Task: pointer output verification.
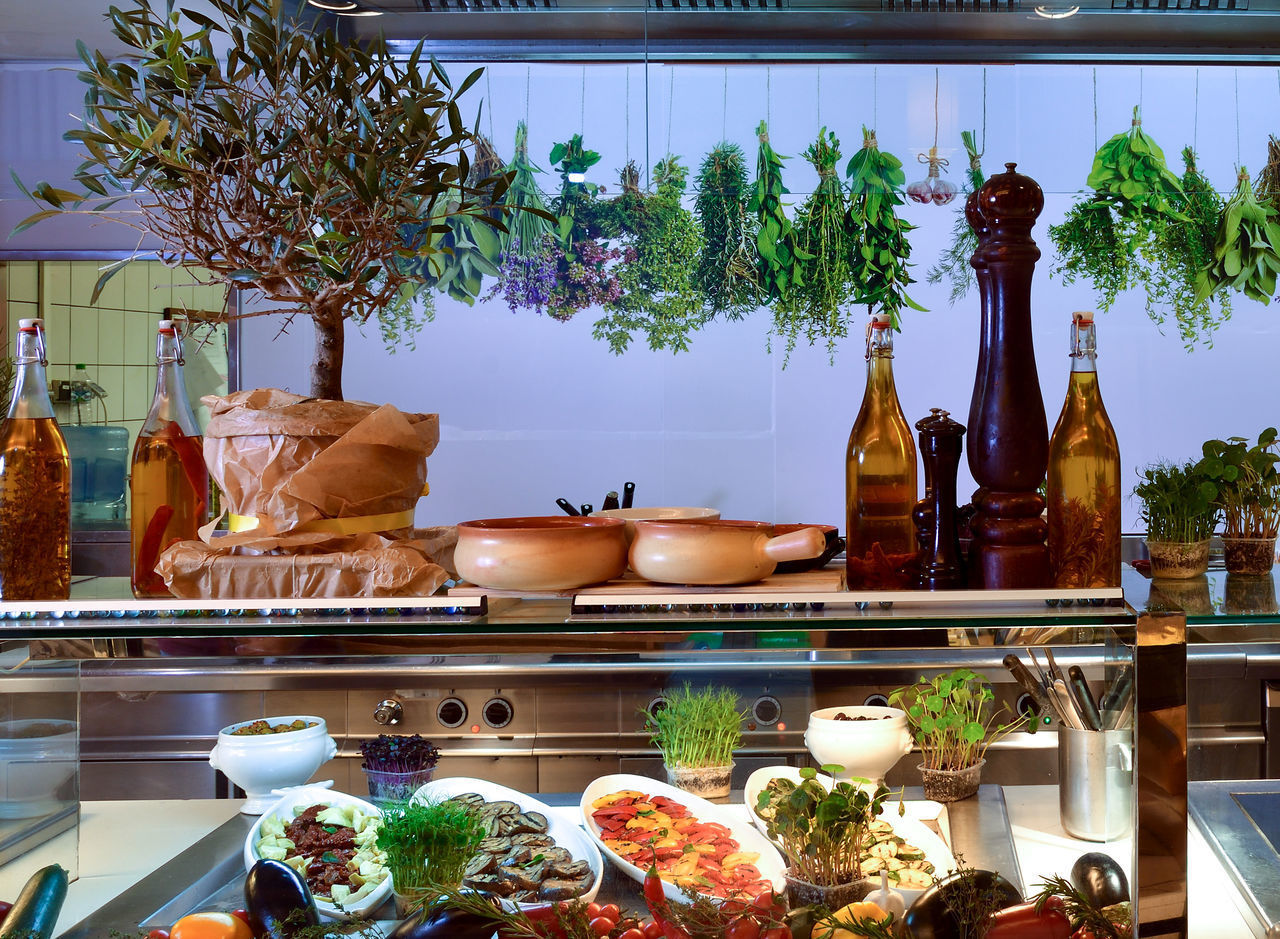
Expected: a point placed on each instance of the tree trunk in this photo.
(326, 366)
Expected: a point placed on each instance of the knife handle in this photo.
(628, 494)
(1022, 675)
(610, 501)
(1088, 707)
(566, 506)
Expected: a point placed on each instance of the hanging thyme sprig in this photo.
(816, 305)
(953, 265)
(1246, 253)
(880, 246)
(1172, 262)
(729, 266)
(1088, 246)
(776, 236)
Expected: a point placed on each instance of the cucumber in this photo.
(35, 912)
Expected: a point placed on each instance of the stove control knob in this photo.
(388, 711)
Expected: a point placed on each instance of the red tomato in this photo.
(653, 931)
(242, 914)
(744, 927)
(158, 934)
(612, 912)
(632, 933)
(593, 910)
(5, 907)
(601, 925)
(777, 932)
(768, 903)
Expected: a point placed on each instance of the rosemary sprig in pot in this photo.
(953, 265)
(660, 296)
(728, 268)
(776, 236)
(880, 246)
(1246, 252)
(1173, 261)
(816, 305)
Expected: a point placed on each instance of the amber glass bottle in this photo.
(35, 483)
(880, 476)
(168, 482)
(1084, 476)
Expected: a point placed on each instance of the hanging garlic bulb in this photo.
(920, 191)
(933, 188)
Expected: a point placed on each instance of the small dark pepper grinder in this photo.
(922, 511)
(941, 567)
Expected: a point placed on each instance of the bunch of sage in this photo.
(879, 237)
(1245, 253)
(776, 236)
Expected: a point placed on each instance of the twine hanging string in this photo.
(582, 103)
(768, 95)
(528, 70)
(724, 104)
(627, 113)
(818, 96)
(1095, 109)
(1195, 113)
(935, 107)
(1236, 79)
(671, 107)
(875, 96)
(1141, 73)
(983, 147)
(488, 100)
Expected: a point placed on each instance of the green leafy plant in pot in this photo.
(697, 732)
(823, 833)
(1180, 509)
(273, 154)
(1249, 498)
(427, 847)
(954, 720)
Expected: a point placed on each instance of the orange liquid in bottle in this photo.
(35, 511)
(168, 490)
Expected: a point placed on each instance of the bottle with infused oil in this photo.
(35, 483)
(880, 477)
(168, 481)
(1084, 476)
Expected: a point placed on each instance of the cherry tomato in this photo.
(632, 933)
(610, 911)
(158, 934)
(776, 932)
(744, 927)
(767, 902)
(601, 925)
(593, 910)
(242, 914)
(5, 907)
(652, 930)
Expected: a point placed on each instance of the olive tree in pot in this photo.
(1249, 497)
(269, 154)
(954, 720)
(697, 732)
(1180, 509)
(823, 833)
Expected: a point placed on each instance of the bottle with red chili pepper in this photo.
(168, 481)
(35, 482)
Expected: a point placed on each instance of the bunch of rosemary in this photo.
(1172, 262)
(729, 266)
(879, 238)
(660, 295)
(776, 237)
(1267, 186)
(815, 304)
(953, 266)
(1246, 252)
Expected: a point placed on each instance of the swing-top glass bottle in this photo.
(35, 482)
(168, 481)
(1083, 484)
(880, 476)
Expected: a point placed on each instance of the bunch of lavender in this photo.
(396, 753)
(526, 281)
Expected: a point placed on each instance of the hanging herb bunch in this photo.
(1267, 186)
(953, 265)
(729, 266)
(527, 262)
(815, 304)
(776, 236)
(660, 295)
(1172, 263)
(1246, 252)
(1133, 202)
(878, 236)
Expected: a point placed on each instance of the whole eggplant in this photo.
(441, 922)
(278, 900)
(1100, 879)
(934, 913)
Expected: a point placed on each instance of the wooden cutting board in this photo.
(825, 580)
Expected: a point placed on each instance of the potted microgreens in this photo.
(1180, 509)
(823, 833)
(396, 765)
(1249, 497)
(427, 846)
(954, 722)
(697, 732)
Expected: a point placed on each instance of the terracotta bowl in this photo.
(554, 552)
(835, 544)
(655, 512)
(703, 552)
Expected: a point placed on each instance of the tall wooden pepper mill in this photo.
(979, 225)
(1008, 432)
(941, 566)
